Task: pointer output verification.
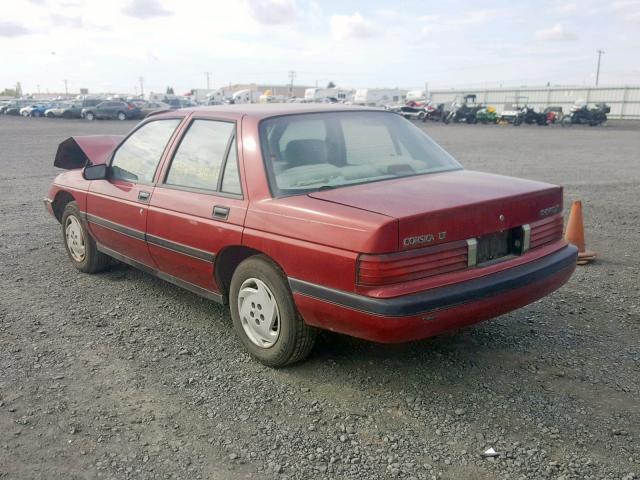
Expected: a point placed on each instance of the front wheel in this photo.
(517, 121)
(264, 315)
(122, 116)
(80, 246)
(566, 121)
(90, 116)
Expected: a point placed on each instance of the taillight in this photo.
(546, 231)
(391, 268)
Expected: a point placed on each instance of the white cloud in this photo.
(628, 9)
(145, 9)
(557, 33)
(566, 7)
(273, 12)
(345, 27)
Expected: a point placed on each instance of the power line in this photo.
(292, 75)
(600, 52)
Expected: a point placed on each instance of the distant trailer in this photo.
(378, 97)
(324, 94)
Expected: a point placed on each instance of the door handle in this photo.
(143, 196)
(220, 212)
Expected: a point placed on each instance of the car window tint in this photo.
(366, 140)
(137, 158)
(231, 179)
(197, 161)
(307, 129)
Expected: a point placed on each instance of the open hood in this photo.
(78, 152)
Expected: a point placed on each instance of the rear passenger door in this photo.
(198, 206)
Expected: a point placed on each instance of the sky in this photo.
(107, 45)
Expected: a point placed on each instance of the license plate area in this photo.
(493, 246)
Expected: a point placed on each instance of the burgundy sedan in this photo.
(311, 217)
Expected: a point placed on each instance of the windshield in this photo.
(310, 152)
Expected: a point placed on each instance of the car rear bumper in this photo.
(427, 313)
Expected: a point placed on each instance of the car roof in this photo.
(265, 110)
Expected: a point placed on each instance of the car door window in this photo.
(199, 158)
(137, 158)
(231, 179)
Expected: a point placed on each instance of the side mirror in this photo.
(95, 172)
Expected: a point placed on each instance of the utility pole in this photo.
(66, 87)
(600, 52)
(208, 84)
(292, 75)
(141, 80)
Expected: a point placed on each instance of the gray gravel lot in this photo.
(120, 375)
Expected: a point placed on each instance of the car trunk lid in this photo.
(450, 206)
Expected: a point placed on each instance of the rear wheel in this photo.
(80, 246)
(264, 315)
(566, 121)
(121, 116)
(50, 115)
(517, 121)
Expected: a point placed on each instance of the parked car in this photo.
(150, 107)
(34, 110)
(112, 110)
(303, 217)
(14, 106)
(72, 109)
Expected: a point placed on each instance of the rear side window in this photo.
(201, 154)
(137, 158)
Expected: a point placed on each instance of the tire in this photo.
(121, 116)
(50, 115)
(293, 340)
(517, 121)
(25, 114)
(566, 121)
(89, 116)
(74, 230)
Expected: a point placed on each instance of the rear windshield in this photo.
(310, 152)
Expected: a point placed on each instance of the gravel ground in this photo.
(120, 375)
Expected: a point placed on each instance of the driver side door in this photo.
(117, 206)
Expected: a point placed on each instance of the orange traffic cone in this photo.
(575, 234)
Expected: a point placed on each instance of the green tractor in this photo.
(487, 115)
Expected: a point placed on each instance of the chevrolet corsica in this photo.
(310, 217)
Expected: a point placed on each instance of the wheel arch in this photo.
(59, 203)
(228, 259)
